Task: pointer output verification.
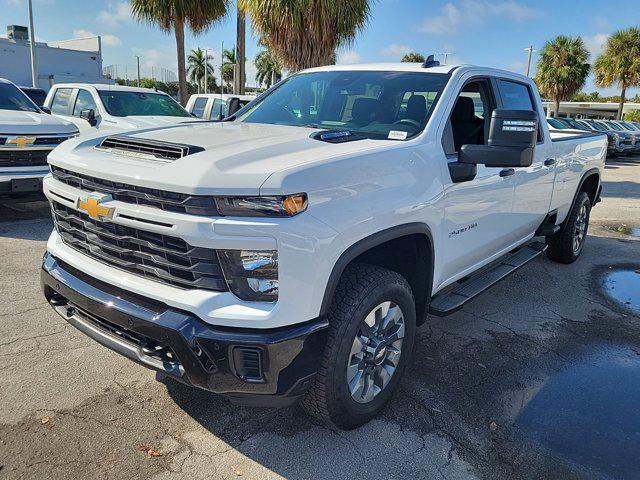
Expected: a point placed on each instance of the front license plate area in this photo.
(26, 185)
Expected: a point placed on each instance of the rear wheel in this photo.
(566, 245)
(371, 332)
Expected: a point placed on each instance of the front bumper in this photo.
(256, 367)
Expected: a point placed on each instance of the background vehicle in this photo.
(27, 135)
(291, 253)
(96, 107)
(214, 106)
(37, 95)
(614, 142)
(629, 139)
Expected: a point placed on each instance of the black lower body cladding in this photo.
(250, 366)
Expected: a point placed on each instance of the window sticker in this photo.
(397, 135)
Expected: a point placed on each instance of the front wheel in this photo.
(372, 323)
(566, 245)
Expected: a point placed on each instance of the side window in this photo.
(470, 117)
(84, 101)
(199, 106)
(517, 96)
(60, 102)
(218, 110)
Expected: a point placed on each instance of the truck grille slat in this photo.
(23, 158)
(169, 201)
(152, 255)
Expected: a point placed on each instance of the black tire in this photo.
(562, 245)
(361, 289)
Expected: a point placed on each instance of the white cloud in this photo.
(395, 51)
(452, 16)
(348, 57)
(107, 39)
(595, 44)
(116, 14)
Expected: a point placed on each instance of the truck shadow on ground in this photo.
(28, 221)
(477, 380)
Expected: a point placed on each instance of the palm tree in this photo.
(170, 15)
(620, 63)
(197, 65)
(306, 33)
(228, 66)
(413, 57)
(562, 69)
(268, 68)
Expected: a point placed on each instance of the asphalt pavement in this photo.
(537, 378)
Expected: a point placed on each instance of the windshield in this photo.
(12, 98)
(124, 104)
(374, 104)
(556, 124)
(597, 126)
(38, 96)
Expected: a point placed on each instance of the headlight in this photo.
(251, 275)
(267, 206)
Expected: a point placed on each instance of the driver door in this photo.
(476, 212)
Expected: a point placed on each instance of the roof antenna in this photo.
(430, 62)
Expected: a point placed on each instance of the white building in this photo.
(75, 60)
(590, 109)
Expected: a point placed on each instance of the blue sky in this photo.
(493, 33)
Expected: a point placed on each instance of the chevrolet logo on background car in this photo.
(20, 142)
(92, 206)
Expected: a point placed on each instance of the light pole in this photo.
(32, 48)
(530, 50)
(138, 62)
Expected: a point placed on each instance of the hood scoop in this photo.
(146, 148)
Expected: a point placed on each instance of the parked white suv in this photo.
(216, 106)
(27, 135)
(98, 107)
(290, 252)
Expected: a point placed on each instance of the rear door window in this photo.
(199, 106)
(60, 102)
(517, 96)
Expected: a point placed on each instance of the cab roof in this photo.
(107, 87)
(392, 67)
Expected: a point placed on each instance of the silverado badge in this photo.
(92, 205)
(20, 142)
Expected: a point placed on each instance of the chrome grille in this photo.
(144, 147)
(159, 257)
(170, 201)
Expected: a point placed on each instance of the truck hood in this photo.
(237, 157)
(31, 123)
(138, 122)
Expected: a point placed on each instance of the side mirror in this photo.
(512, 141)
(233, 106)
(45, 109)
(89, 115)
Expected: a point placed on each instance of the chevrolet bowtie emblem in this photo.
(92, 205)
(20, 141)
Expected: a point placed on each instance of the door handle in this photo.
(507, 172)
(549, 161)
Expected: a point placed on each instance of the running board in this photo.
(453, 300)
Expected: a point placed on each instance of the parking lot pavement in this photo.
(537, 378)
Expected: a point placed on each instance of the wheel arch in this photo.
(416, 264)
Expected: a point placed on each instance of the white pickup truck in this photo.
(289, 252)
(97, 108)
(27, 135)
